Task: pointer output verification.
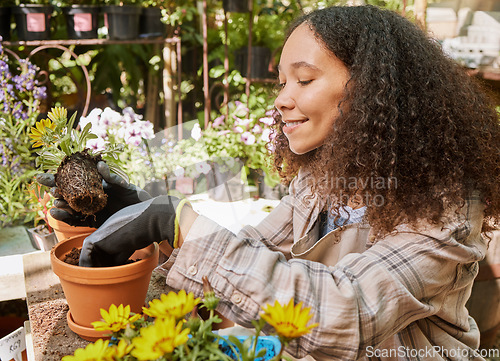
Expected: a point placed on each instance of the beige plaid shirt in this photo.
(401, 298)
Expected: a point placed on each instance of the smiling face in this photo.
(312, 83)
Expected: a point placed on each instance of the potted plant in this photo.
(150, 23)
(20, 98)
(122, 19)
(63, 150)
(81, 18)
(42, 236)
(33, 19)
(88, 289)
(170, 329)
(5, 15)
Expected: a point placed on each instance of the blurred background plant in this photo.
(20, 96)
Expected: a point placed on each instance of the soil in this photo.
(73, 257)
(80, 184)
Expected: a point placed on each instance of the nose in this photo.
(284, 101)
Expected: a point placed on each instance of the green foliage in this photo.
(33, 2)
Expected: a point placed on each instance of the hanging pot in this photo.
(32, 21)
(88, 289)
(5, 14)
(64, 231)
(122, 22)
(81, 21)
(150, 24)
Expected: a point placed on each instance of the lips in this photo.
(291, 125)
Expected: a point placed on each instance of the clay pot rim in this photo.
(57, 224)
(65, 270)
(87, 333)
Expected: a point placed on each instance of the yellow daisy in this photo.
(97, 351)
(39, 131)
(159, 339)
(58, 114)
(174, 304)
(289, 321)
(116, 319)
(121, 350)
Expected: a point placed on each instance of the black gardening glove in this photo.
(132, 228)
(120, 194)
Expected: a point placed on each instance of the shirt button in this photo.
(192, 270)
(236, 297)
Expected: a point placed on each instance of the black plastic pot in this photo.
(236, 6)
(122, 21)
(32, 21)
(259, 62)
(81, 21)
(5, 14)
(150, 24)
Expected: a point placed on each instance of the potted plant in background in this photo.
(33, 19)
(150, 23)
(81, 18)
(121, 18)
(5, 17)
(42, 236)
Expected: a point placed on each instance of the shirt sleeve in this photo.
(361, 301)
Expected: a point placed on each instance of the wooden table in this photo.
(50, 336)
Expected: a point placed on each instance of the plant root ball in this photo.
(80, 183)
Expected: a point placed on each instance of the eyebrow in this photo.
(301, 64)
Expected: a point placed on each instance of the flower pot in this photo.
(260, 59)
(270, 343)
(81, 21)
(88, 289)
(41, 238)
(64, 231)
(122, 22)
(236, 6)
(5, 14)
(150, 24)
(32, 21)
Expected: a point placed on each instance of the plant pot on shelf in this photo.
(5, 14)
(236, 6)
(81, 21)
(64, 231)
(150, 24)
(88, 289)
(32, 21)
(41, 238)
(122, 22)
(260, 58)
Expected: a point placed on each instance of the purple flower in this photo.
(248, 138)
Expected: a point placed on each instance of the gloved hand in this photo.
(120, 194)
(133, 228)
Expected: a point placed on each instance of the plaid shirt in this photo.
(400, 298)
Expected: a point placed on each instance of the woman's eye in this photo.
(304, 82)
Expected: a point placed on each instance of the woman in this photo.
(393, 154)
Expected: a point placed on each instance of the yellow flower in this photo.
(116, 319)
(159, 339)
(121, 350)
(97, 351)
(289, 321)
(173, 304)
(39, 131)
(58, 114)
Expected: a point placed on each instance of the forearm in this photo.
(186, 220)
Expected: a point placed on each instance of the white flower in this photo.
(196, 132)
(179, 171)
(109, 117)
(248, 138)
(266, 135)
(96, 144)
(238, 129)
(267, 120)
(202, 167)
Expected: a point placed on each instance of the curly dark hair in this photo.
(415, 135)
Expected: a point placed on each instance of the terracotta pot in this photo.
(64, 231)
(87, 290)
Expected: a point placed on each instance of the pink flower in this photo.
(257, 129)
(219, 121)
(267, 120)
(96, 144)
(238, 129)
(248, 138)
